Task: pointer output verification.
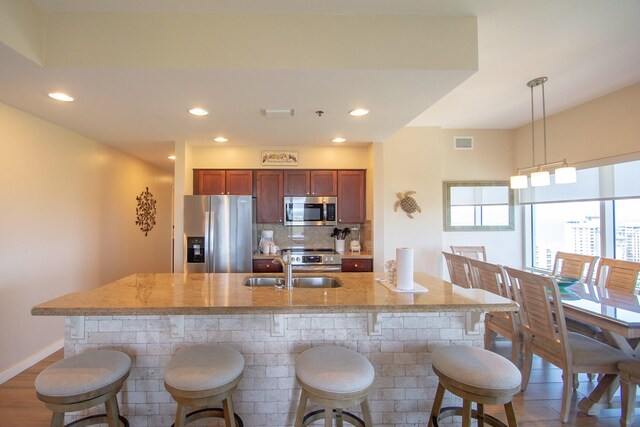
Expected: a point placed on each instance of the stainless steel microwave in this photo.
(310, 211)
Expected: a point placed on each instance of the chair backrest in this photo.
(618, 275)
(539, 298)
(473, 252)
(575, 265)
(490, 277)
(458, 269)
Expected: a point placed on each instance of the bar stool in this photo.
(336, 378)
(84, 381)
(475, 375)
(202, 375)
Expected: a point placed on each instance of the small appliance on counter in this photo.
(354, 244)
(266, 242)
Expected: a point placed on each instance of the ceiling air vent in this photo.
(270, 112)
(463, 143)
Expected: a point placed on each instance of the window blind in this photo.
(620, 180)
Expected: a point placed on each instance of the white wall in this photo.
(67, 223)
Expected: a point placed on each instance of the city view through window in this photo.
(575, 227)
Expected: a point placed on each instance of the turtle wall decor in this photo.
(407, 203)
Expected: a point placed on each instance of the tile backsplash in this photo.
(310, 237)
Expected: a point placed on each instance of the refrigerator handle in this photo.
(212, 236)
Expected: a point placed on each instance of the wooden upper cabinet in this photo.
(296, 183)
(310, 183)
(351, 196)
(207, 182)
(324, 183)
(269, 196)
(217, 182)
(239, 182)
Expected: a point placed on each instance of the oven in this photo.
(310, 211)
(315, 260)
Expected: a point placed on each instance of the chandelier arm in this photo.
(533, 132)
(544, 123)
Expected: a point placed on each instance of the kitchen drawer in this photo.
(363, 265)
(266, 266)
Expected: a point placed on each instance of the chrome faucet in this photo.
(287, 268)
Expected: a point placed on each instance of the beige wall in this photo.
(588, 134)
(420, 159)
(412, 161)
(67, 224)
(490, 160)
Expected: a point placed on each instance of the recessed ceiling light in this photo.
(220, 139)
(197, 111)
(59, 96)
(359, 112)
(171, 157)
(338, 140)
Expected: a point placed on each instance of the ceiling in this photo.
(587, 48)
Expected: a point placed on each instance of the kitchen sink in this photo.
(298, 282)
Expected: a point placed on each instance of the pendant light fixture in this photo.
(564, 174)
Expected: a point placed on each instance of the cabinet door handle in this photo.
(355, 265)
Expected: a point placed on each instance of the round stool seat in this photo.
(203, 367)
(477, 368)
(83, 381)
(201, 375)
(476, 375)
(83, 373)
(334, 369)
(334, 378)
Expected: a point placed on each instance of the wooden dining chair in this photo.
(493, 278)
(458, 269)
(618, 275)
(546, 335)
(473, 252)
(575, 265)
(579, 267)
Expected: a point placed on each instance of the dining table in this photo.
(617, 314)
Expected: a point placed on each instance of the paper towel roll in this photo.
(404, 263)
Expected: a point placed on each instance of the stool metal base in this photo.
(451, 411)
(96, 419)
(210, 413)
(342, 415)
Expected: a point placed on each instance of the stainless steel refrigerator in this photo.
(218, 234)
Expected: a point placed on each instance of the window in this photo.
(572, 227)
(598, 215)
(478, 206)
(627, 229)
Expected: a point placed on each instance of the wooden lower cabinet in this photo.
(266, 266)
(357, 265)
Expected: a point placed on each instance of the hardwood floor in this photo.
(538, 406)
(19, 406)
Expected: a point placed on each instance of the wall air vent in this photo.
(463, 143)
(270, 112)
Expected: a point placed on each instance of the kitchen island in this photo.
(151, 316)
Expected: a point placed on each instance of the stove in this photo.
(315, 260)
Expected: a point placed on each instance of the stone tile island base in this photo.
(399, 350)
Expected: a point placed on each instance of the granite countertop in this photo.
(222, 293)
